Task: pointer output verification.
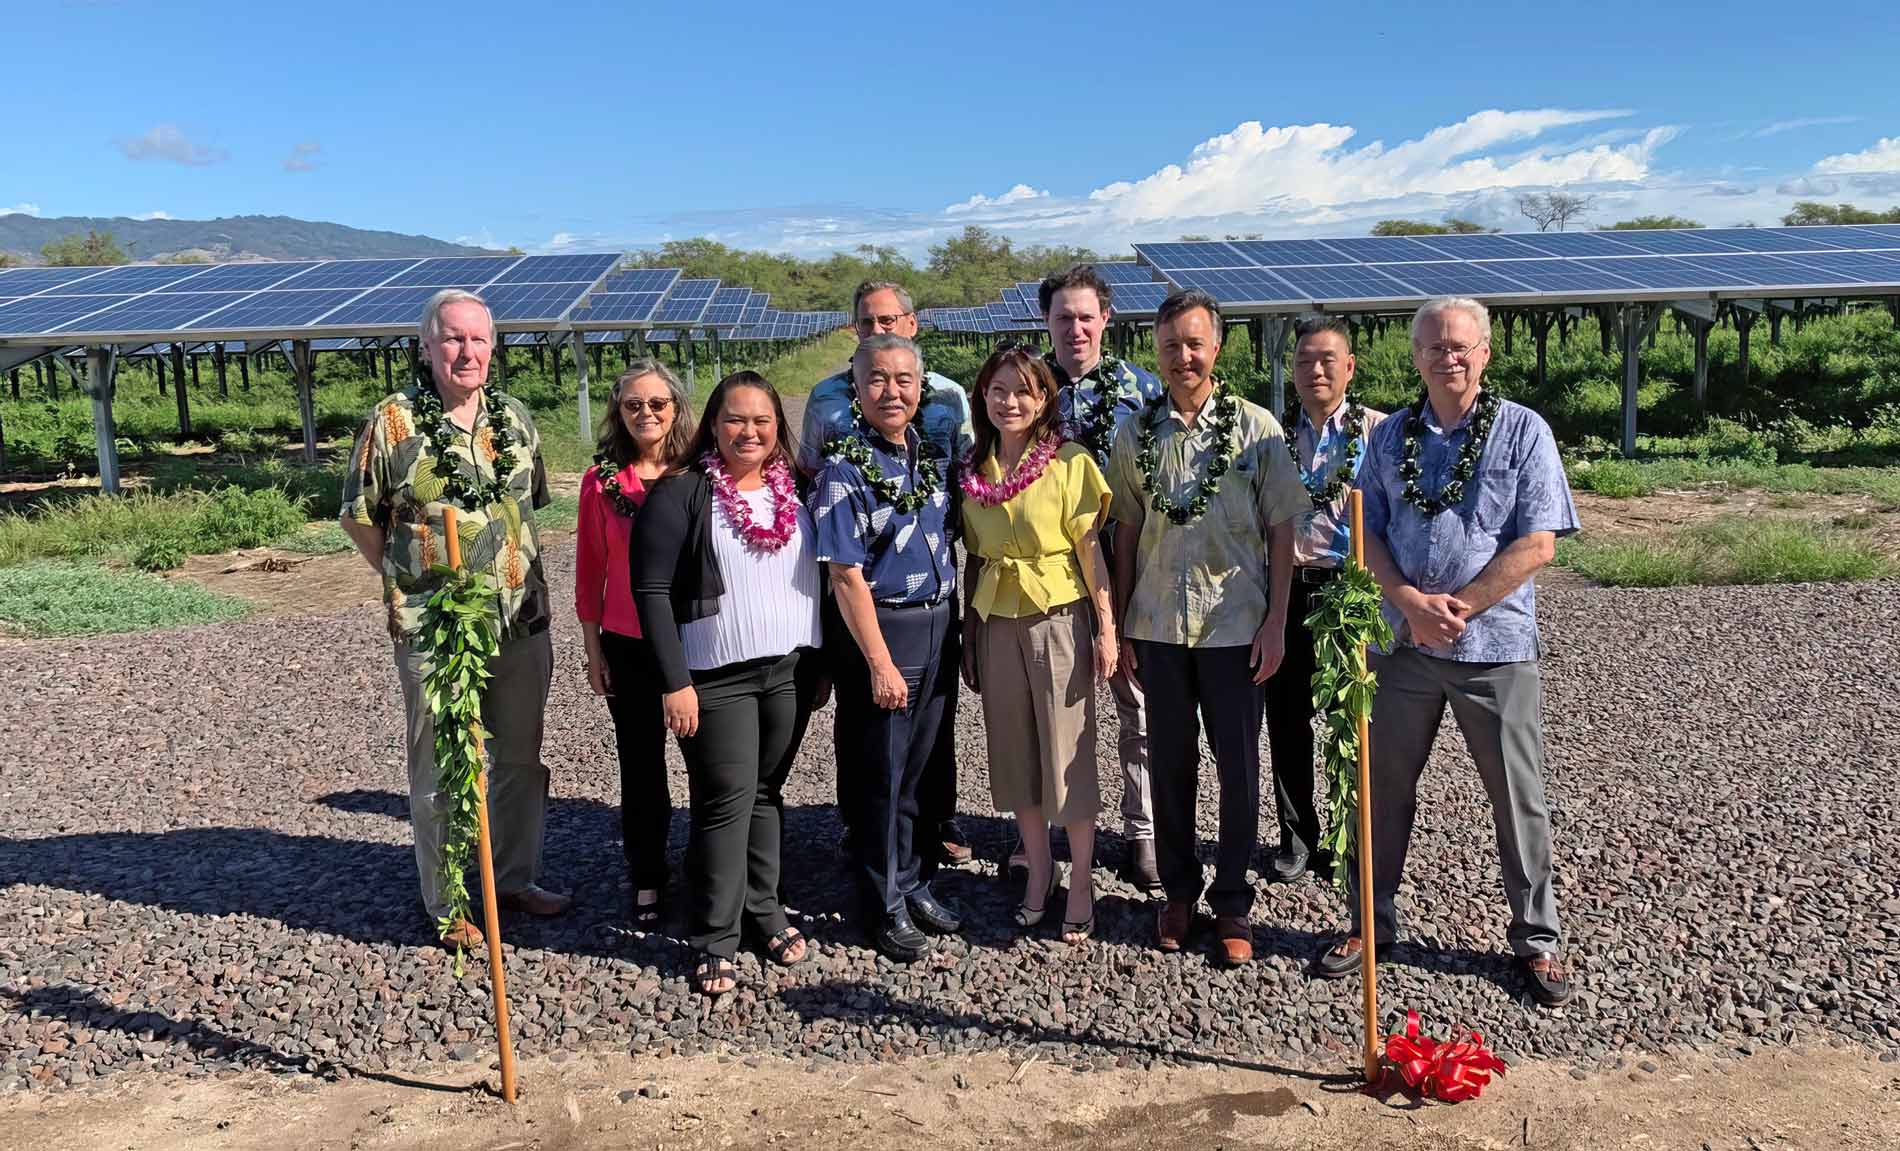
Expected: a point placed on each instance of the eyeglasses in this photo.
(873, 323)
(1452, 351)
(656, 404)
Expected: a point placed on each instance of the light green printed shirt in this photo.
(1203, 583)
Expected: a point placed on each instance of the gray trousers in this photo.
(1497, 706)
(514, 709)
(1131, 716)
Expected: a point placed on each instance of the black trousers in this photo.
(646, 807)
(751, 719)
(1289, 711)
(1186, 686)
(937, 792)
(896, 748)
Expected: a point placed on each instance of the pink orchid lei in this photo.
(778, 478)
(1029, 469)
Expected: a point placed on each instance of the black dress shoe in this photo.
(898, 938)
(932, 913)
(1345, 957)
(1288, 866)
(1139, 867)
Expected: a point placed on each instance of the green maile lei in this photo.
(608, 474)
(1324, 495)
(1344, 620)
(1466, 466)
(1226, 417)
(853, 447)
(458, 629)
(471, 494)
(1094, 425)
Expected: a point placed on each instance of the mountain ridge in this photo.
(224, 238)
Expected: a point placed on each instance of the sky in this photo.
(809, 128)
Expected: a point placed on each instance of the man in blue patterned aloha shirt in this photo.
(885, 509)
(1098, 393)
(880, 307)
(1465, 497)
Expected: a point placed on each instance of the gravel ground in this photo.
(204, 864)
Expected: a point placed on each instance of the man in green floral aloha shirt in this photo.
(449, 440)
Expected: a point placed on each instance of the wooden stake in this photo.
(491, 913)
(1368, 933)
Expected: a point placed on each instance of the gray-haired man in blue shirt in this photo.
(1465, 497)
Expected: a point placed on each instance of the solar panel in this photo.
(1342, 282)
(727, 307)
(1547, 244)
(377, 306)
(1672, 242)
(351, 274)
(1555, 275)
(248, 277)
(1143, 297)
(1658, 272)
(1753, 270)
(1484, 246)
(558, 269)
(1183, 256)
(1765, 239)
(1287, 253)
(18, 282)
(154, 312)
(618, 307)
(1385, 249)
(521, 339)
(755, 309)
(136, 278)
(36, 314)
(1854, 267)
(516, 303)
(1451, 278)
(641, 280)
(291, 309)
(454, 272)
(1825, 238)
(687, 302)
(1123, 272)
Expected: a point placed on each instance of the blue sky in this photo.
(809, 128)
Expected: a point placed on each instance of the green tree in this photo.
(1812, 212)
(1643, 222)
(1452, 225)
(90, 250)
(1464, 227)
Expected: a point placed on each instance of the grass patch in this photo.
(151, 530)
(563, 514)
(322, 538)
(65, 599)
(1730, 550)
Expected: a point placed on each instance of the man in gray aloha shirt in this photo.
(1457, 564)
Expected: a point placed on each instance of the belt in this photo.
(883, 605)
(1314, 575)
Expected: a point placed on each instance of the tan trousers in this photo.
(514, 709)
(1037, 676)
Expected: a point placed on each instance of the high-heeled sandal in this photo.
(1026, 916)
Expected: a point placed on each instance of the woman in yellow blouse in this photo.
(1039, 633)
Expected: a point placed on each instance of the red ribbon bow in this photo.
(1452, 1072)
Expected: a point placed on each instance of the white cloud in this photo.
(168, 142)
(153, 216)
(1780, 126)
(1015, 195)
(303, 158)
(23, 208)
(1884, 156)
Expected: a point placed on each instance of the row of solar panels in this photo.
(342, 299)
(1132, 286)
(1529, 267)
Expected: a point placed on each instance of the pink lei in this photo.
(778, 478)
(1029, 469)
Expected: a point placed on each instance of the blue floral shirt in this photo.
(943, 410)
(1114, 380)
(1519, 488)
(907, 557)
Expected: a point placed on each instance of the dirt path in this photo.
(1827, 1098)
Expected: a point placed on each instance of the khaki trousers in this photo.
(1037, 675)
(514, 708)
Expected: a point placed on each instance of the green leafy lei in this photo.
(1226, 417)
(457, 487)
(1324, 495)
(853, 447)
(1344, 620)
(458, 628)
(1461, 472)
(1093, 425)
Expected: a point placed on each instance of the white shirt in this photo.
(771, 603)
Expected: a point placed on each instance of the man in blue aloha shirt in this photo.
(880, 307)
(1465, 497)
(1098, 393)
(885, 509)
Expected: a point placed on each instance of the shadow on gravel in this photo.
(854, 1000)
(84, 1010)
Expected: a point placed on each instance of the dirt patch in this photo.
(1822, 1098)
(1664, 512)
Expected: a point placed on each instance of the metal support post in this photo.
(303, 362)
(582, 384)
(178, 389)
(1275, 329)
(101, 366)
(719, 359)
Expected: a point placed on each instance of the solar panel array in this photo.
(1549, 267)
(121, 304)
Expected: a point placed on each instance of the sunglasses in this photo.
(656, 405)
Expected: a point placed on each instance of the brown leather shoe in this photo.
(1235, 936)
(536, 901)
(1550, 983)
(1171, 925)
(464, 935)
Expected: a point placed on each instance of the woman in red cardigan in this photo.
(645, 431)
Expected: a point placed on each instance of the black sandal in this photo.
(1073, 932)
(779, 944)
(712, 969)
(648, 914)
(1025, 916)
